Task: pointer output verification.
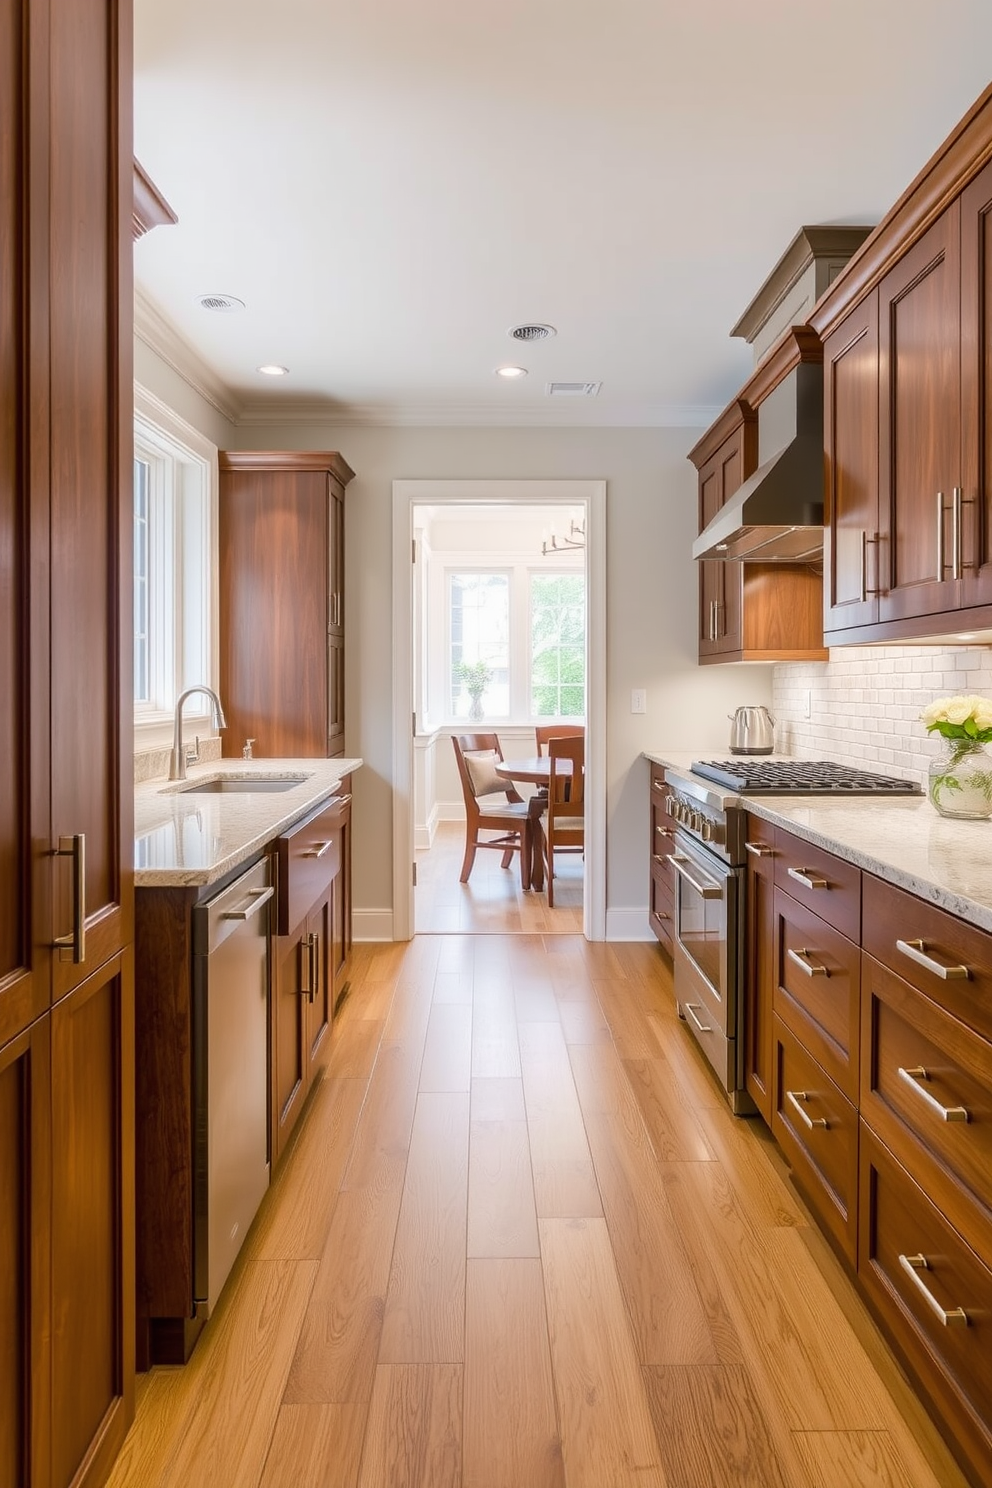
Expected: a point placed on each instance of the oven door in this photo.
(708, 953)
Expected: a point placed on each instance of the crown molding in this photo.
(476, 416)
(161, 336)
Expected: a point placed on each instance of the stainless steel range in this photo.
(708, 858)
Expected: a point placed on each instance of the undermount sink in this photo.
(225, 785)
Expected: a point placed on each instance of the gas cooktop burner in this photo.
(801, 777)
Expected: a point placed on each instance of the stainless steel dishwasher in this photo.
(231, 978)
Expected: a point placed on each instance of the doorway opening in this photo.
(497, 573)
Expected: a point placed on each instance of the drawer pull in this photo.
(247, 911)
(659, 785)
(915, 950)
(703, 1027)
(665, 831)
(809, 878)
(795, 1099)
(318, 850)
(705, 887)
(661, 858)
(913, 1265)
(760, 849)
(811, 968)
(946, 1113)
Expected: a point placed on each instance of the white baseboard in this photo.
(450, 811)
(423, 836)
(372, 924)
(628, 924)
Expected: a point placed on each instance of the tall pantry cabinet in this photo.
(66, 896)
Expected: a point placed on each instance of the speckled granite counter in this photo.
(899, 838)
(184, 838)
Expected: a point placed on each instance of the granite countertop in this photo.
(899, 838)
(184, 839)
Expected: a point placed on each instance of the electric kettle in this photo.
(752, 731)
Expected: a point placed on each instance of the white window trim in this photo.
(190, 529)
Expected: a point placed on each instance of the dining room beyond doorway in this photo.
(500, 654)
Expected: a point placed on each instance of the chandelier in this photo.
(574, 538)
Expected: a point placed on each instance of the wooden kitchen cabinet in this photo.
(661, 907)
(281, 537)
(850, 435)
(722, 471)
(66, 905)
(311, 956)
(759, 973)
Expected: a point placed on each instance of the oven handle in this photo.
(706, 887)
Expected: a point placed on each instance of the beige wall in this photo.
(651, 604)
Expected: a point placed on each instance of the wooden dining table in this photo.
(536, 771)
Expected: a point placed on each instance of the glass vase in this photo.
(475, 707)
(960, 780)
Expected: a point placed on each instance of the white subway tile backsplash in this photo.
(866, 702)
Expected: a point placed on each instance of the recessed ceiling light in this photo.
(511, 372)
(271, 370)
(223, 303)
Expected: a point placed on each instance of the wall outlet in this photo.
(638, 700)
(807, 704)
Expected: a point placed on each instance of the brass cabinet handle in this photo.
(801, 959)
(72, 947)
(913, 1265)
(912, 1078)
(809, 878)
(941, 564)
(247, 911)
(759, 849)
(916, 951)
(703, 1027)
(319, 849)
(795, 1099)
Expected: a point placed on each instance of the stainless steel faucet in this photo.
(177, 759)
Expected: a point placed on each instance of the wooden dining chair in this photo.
(491, 805)
(564, 829)
(547, 731)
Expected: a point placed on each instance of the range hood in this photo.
(776, 516)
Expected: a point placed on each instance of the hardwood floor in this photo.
(520, 1242)
(492, 902)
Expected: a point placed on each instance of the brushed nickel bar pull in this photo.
(340, 800)
(914, 949)
(703, 1027)
(759, 849)
(658, 785)
(315, 958)
(957, 565)
(941, 565)
(864, 566)
(913, 1265)
(795, 1099)
(248, 911)
(708, 890)
(811, 968)
(319, 849)
(946, 1113)
(72, 947)
(808, 878)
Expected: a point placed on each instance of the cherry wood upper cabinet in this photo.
(281, 527)
(919, 336)
(976, 391)
(723, 469)
(850, 434)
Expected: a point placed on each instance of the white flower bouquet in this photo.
(961, 779)
(962, 717)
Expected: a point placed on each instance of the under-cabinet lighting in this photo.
(271, 370)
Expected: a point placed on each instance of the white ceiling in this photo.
(391, 184)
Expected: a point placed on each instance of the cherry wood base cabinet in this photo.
(881, 1089)
(661, 908)
(311, 956)
(66, 899)
(281, 534)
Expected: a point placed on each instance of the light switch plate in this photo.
(638, 700)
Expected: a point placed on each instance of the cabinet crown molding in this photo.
(295, 460)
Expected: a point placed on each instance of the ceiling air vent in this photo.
(221, 302)
(573, 389)
(535, 332)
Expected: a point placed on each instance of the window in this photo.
(173, 602)
(557, 645)
(528, 628)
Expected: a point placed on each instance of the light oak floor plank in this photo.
(447, 1064)
(502, 1219)
(510, 1426)
(382, 1136)
(498, 1100)
(424, 1320)
(316, 1446)
(712, 1432)
(865, 1459)
(607, 1437)
(413, 1438)
(564, 1177)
